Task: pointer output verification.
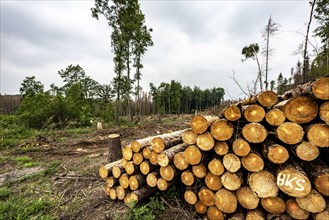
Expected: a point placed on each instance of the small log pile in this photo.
(265, 157)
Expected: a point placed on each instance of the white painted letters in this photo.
(285, 180)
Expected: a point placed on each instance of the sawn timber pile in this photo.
(263, 158)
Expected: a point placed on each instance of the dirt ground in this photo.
(76, 185)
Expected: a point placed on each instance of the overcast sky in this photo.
(195, 42)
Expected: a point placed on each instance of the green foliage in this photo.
(31, 87)
(25, 161)
(4, 193)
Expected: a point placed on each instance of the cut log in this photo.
(136, 181)
(213, 213)
(322, 215)
(206, 196)
(267, 98)
(253, 162)
(138, 158)
(167, 172)
(216, 167)
(139, 195)
(237, 215)
(290, 133)
(273, 205)
(247, 198)
(292, 180)
(146, 167)
(318, 134)
(205, 141)
(190, 196)
(146, 153)
(131, 168)
(213, 182)
(313, 202)
(127, 153)
(114, 146)
(318, 173)
(167, 156)
(222, 130)
(295, 211)
(111, 181)
(162, 184)
(160, 144)
(193, 155)
(275, 153)
(232, 181)
(200, 170)
(306, 151)
(154, 158)
(187, 178)
(254, 132)
(320, 88)
(199, 124)
(106, 170)
(231, 162)
(232, 113)
(255, 214)
(189, 136)
(263, 184)
(124, 180)
(324, 112)
(282, 216)
(121, 192)
(241, 147)
(113, 194)
(180, 161)
(117, 171)
(275, 117)
(226, 201)
(152, 178)
(200, 207)
(221, 148)
(253, 113)
(107, 190)
(123, 162)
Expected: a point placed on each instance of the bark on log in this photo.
(213, 182)
(275, 117)
(324, 112)
(226, 201)
(267, 98)
(221, 130)
(231, 162)
(152, 178)
(232, 113)
(247, 198)
(200, 207)
(189, 136)
(146, 153)
(232, 181)
(216, 167)
(117, 171)
(213, 213)
(114, 146)
(253, 162)
(136, 181)
(193, 155)
(320, 88)
(221, 148)
(275, 153)
(106, 170)
(146, 167)
(306, 151)
(254, 132)
(241, 147)
(292, 180)
(160, 144)
(190, 195)
(180, 161)
(138, 158)
(313, 202)
(205, 141)
(206, 196)
(255, 214)
(290, 133)
(273, 205)
(139, 195)
(124, 180)
(318, 134)
(200, 170)
(295, 211)
(263, 184)
(199, 124)
(253, 113)
(167, 156)
(127, 153)
(131, 168)
(167, 172)
(154, 158)
(187, 178)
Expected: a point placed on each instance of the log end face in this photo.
(320, 88)
(267, 98)
(221, 130)
(290, 133)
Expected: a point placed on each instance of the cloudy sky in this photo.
(195, 42)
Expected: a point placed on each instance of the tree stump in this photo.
(114, 144)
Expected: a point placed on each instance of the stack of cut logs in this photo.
(265, 157)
